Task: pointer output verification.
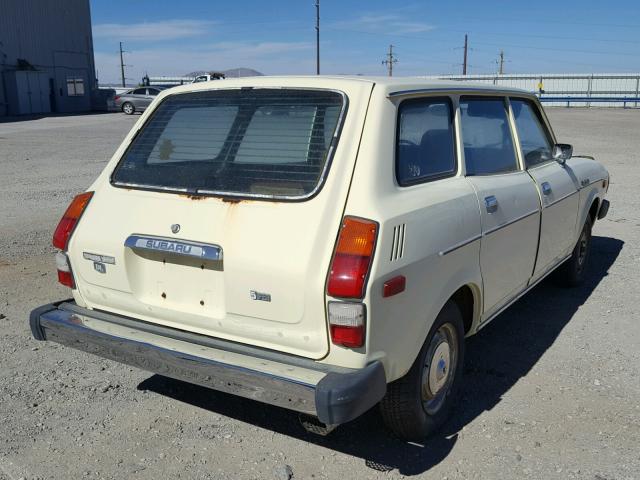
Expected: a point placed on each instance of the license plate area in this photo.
(163, 273)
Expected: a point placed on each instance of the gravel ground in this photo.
(551, 387)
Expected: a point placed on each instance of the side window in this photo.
(140, 91)
(488, 145)
(153, 92)
(535, 141)
(425, 148)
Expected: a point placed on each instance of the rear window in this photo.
(248, 142)
(425, 140)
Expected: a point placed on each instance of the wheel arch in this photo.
(593, 209)
(589, 208)
(468, 299)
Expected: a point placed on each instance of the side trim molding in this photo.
(455, 247)
(510, 222)
(558, 200)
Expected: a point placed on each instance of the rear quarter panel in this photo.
(434, 216)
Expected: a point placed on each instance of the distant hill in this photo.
(231, 73)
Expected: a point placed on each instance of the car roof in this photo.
(392, 86)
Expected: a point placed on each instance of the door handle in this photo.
(491, 204)
(546, 188)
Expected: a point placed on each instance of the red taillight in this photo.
(347, 336)
(116, 98)
(70, 219)
(352, 258)
(66, 279)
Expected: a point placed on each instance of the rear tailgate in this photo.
(267, 286)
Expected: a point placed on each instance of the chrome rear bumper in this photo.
(335, 395)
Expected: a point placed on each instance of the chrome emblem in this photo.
(175, 228)
(97, 258)
(204, 251)
(263, 297)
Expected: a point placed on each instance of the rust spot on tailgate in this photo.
(232, 200)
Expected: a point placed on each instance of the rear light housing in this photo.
(352, 258)
(116, 98)
(65, 277)
(63, 233)
(70, 220)
(347, 324)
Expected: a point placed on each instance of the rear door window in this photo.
(247, 142)
(486, 135)
(425, 148)
(535, 140)
(140, 91)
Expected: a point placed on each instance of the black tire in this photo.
(573, 271)
(128, 108)
(405, 410)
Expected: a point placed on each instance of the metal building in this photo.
(46, 57)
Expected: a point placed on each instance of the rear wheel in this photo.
(128, 108)
(573, 271)
(417, 404)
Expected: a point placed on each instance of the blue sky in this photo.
(172, 37)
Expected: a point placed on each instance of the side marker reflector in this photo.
(394, 286)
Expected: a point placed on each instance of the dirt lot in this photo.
(552, 387)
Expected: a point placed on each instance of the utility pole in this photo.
(391, 59)
(501, 68)
(464, 62)
(317, 37)
(122, 65)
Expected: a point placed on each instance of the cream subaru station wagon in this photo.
(323, 244)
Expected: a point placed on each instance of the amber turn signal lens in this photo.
(352, 258)
(357, 237)
(70, 219)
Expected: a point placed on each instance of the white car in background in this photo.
(323, 244)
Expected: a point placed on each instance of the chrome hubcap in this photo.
(439, 368)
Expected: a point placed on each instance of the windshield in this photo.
(247, 142)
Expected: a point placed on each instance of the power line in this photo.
(390, 60)
(527, 19)
(432, 40)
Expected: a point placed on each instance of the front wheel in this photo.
(417, 404)
(573, 271)
(128, 108)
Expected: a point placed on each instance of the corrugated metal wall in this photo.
(54, 38)
(598, 86)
